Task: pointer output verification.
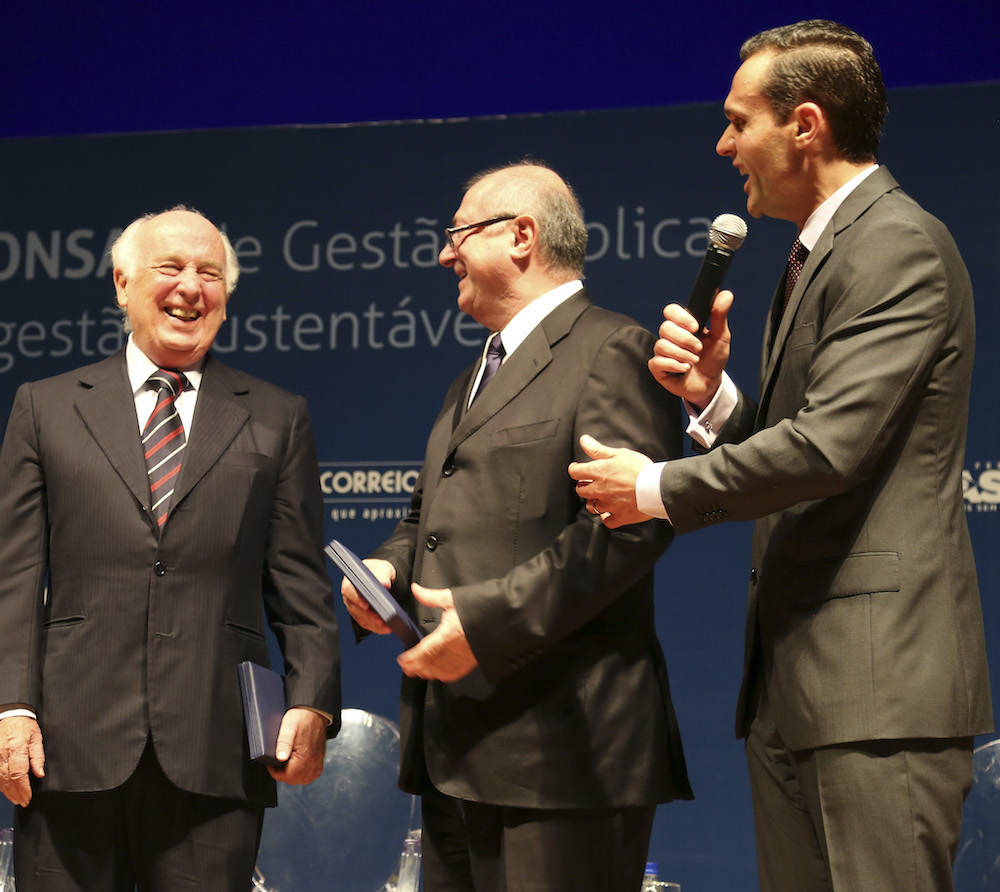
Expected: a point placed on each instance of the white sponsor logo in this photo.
(367, 490)
(981, 487)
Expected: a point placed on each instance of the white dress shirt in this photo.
(140, 367)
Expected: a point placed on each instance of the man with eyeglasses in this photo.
(536, 717)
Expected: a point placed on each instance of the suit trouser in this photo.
(146, 835)
(470, 846)
(881, 815)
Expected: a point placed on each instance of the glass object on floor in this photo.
(344, 830)
(407, 875)
(6, 860)
(977, 864)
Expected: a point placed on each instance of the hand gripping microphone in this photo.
(725, 235)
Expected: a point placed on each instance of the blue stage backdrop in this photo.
(341, 299)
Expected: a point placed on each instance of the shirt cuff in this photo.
(326, 715)
(705, 426)
(11, 713)
(647, 491)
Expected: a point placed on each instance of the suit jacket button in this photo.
(431, 543)
(449, 468)
(159, 569)
(753, 575)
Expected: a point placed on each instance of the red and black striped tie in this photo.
(163, 440)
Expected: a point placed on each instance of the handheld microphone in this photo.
(725, 235)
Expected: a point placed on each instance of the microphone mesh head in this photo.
(728, 231)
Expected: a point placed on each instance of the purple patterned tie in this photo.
(163, 440)
(494, 356)
(796, 258)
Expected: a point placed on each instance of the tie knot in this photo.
(169, 379)
(494, 356)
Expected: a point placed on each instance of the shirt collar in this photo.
(824, 213)
(140, 367)
(527, 319)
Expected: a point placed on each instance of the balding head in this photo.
(173, 273)
(517, 234)
(532, 188)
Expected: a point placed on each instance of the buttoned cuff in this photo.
(704, 427)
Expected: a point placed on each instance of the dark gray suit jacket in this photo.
(864, 619)
(570, 706)
(141, 636)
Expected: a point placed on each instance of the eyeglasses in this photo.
(451, 230)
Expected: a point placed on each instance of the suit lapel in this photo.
(855, 205)
(107, 407)
(521, 368)
(220, 413)
(462, 403)
(817, 257)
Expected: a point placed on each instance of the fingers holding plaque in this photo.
(375, 594)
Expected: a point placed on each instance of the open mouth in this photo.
(185, 315)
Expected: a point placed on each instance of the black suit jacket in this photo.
(864, 620)
(570, 705)
(114, 635)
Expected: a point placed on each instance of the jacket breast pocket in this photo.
(803, 335)
(526, 466)
(244, 460)
(525, 433)
(238, 491)
(862, 573)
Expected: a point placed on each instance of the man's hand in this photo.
(607, 484)
(358, 607)
(689, 366)
(301, 746)
(445, 654)
(20, 753)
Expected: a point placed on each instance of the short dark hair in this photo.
(829, 64)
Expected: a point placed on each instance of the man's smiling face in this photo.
(176, 295)
(761, 147)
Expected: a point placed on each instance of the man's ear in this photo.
(525, 235)
(810, 123)
(121, 282)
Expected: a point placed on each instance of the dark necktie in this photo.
(163, 440)
(796, 258)
(494, 356)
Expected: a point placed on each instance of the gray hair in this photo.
(125, 252)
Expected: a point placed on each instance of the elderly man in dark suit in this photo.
(536, 715)
(866, 676)
(142, 531)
